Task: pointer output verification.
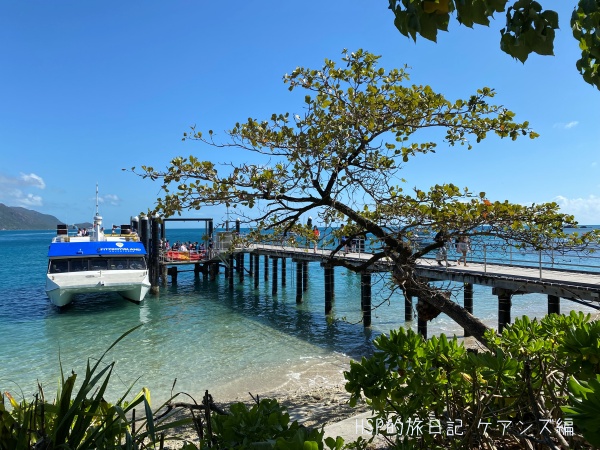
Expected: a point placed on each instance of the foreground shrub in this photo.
(81, 419)
(265, 425)
(436, 394)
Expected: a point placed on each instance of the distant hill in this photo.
(17, 218)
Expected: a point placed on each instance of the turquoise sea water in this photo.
(201, 333)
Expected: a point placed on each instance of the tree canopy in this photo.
(529, 28)
(341, 160)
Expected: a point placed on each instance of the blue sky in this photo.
(88, 88)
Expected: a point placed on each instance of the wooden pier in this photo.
(505, 280)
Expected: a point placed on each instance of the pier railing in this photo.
(565, 259)
(568, 259)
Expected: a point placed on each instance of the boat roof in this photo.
(101, 248)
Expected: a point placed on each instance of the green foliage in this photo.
(585, 407)
(529, 28)
(80, 419)
(523, 381)
(360, 129)
(265, 425)
(585, 23)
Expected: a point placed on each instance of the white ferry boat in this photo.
(97, 262)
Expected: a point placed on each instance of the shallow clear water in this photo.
(201, 333)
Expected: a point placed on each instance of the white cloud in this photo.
(30, 200)
(23, 180)
(110, 199)
(17, 197)
(33, 180)
(11, 189)
(585, 210)
(566, 126)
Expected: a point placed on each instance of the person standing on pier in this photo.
(317, 235)
(463, 247)
(442, 254)
(345, 244)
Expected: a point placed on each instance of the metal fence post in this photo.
(485, 258)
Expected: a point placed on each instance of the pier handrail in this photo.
(565, 259)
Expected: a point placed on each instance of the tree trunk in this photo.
(440, 300)
(460, 315)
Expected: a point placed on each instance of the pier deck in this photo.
(566, 283)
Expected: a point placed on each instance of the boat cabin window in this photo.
(59, 266)
(118, 264)
(98, 264)
(83, 264)
(137, 264)
(78, 265)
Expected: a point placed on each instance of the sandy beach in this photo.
(313, 393)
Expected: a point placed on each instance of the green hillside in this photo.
(17, 218)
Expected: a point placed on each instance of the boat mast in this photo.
(98, 220)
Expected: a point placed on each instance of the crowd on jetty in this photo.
(182, 246)
(182, 251)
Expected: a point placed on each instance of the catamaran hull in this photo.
(61, 288)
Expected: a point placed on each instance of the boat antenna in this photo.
(97, 217)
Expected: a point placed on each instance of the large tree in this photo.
(341, 160)
(529, 28)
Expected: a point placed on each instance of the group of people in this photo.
(349, 245)
(183, 246)
(82, 232)
(462, 246)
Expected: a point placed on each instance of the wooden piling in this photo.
(230, 269)
(274, 263)
(504, 305)
(240, 266)
(422, 327)
(553, 304)
(299, 282)
(304, 276)
(163, 275)
(173, 272)
(213, 270)
(365, 296)
(408, 306)
(266, 268)
(283, 272)
(144, 232)
(155, 256)
(468, 301)
(329, 284)
(256, 267)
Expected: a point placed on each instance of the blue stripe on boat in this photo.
(101, 248)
